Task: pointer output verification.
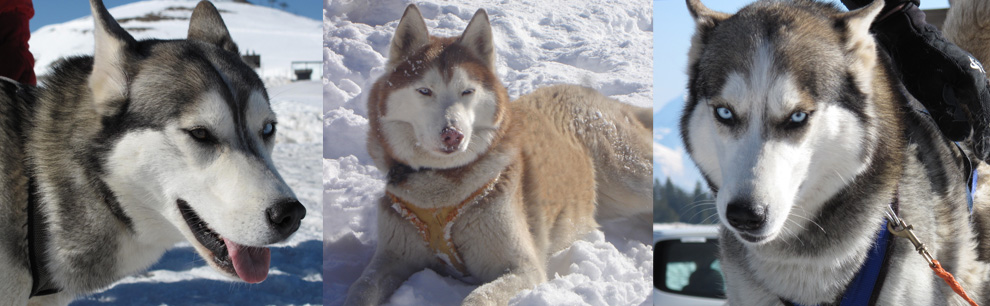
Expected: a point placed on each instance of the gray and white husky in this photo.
(118, 156)
(797, 122)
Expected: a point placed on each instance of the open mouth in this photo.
(247, 262)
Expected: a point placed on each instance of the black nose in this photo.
(744, 215)
(285, 216)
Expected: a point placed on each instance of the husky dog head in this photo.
(779, 116)
(439, 104)
(191, 134)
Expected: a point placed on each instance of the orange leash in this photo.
(951, 281)
(899, 228)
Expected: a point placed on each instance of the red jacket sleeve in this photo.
(21, 6)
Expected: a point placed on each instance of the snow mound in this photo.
(593, 271)
(603, 45)
(278, 36)
(429, 288)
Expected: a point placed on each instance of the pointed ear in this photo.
(410, 35)
(113, 46)
(860, 48)
(206, 25)
(858, 23)
(705, 20)
(477, 37)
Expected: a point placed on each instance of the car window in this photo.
(689, 267)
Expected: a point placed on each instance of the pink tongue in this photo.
(250, 263)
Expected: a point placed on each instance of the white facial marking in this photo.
(791, 175)
(229, 188)
(417, 116)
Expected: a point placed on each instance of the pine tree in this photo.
(673, 204)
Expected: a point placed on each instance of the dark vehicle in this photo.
(686, 266)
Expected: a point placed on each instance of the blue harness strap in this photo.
(972, 189)
(860, 290)
(971, 180)
(865, 285)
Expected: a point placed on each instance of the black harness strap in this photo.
(41, 280)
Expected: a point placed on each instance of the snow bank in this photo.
(278, 36)
(599, 44)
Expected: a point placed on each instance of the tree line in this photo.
(673, 204)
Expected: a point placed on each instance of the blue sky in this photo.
(58, 11)
(672, 30)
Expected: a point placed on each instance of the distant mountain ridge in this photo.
(279, 37)
(670, 157)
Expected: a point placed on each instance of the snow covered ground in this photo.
(606, 45)
(279, 37)
(181, 277)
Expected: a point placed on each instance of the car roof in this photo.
(671, 231)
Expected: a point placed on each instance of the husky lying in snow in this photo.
(485, 189)
(797, 123)
(119, 156)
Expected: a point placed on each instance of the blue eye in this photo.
(467, 92)
(724, 113)
(269, 129)
(424, 91)
(799, 117)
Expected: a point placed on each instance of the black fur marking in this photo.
(853, 99)
(113, 205)
(41, 278)
(930, 152)
(399, 173)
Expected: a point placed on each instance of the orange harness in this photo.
(435, 224)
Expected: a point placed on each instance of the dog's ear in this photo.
(858, 21)
(113, 46)
(477, 37)
(860, 46)
(206, 25)
(705, 20)
(410, 35)
(857, 24)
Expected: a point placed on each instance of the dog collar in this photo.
(436, 224)
(37, 236)
(864, 289)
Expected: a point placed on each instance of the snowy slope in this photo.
(279, 37)
(181, 277)
(602, 44)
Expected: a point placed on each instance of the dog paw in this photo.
(478, 299)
